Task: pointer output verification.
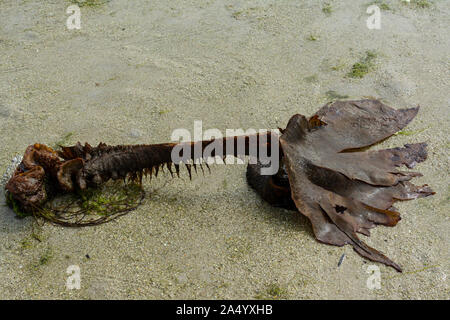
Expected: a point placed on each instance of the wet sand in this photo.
(136, 71)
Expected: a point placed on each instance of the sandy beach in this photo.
(137, 70)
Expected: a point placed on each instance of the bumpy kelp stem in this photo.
(78, 167)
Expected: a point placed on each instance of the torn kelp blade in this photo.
(344, 193)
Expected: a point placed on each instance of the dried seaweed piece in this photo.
(325, 172)
(340, 188)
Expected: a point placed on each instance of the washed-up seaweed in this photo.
(326, 172)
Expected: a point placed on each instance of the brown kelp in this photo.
(325, 172)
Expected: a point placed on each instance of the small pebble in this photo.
(341, 259)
